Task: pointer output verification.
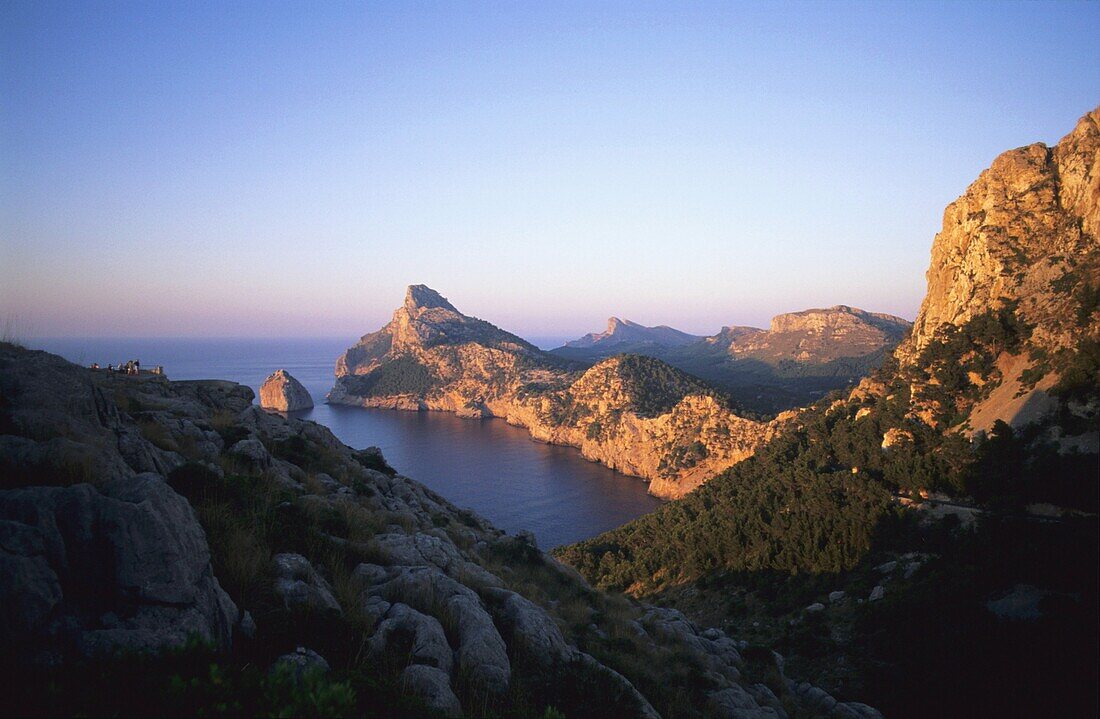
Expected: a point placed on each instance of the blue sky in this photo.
(283, 168)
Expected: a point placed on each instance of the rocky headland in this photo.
(635, 414)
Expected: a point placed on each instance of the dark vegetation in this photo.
(933, 647)
(758, 389)
(655, 386)
(402, 375)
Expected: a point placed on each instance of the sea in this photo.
(486, 465)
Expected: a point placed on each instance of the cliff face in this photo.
(634, 414)
(1027, 221)
(1013, 276)
(819, 335)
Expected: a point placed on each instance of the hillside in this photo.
(798, 359)
(170, 549)
(800, 544)
(635, 414)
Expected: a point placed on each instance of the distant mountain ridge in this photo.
(624, 332)
(800, 357)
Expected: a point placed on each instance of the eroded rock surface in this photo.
(96, 570)
(281, 392)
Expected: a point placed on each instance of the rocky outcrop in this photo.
(1012, 288)
(281, 392)
(1026, 223)
(634, 414)
(301, 587)
(95, 570)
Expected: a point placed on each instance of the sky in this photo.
(286, 169)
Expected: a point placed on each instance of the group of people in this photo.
(131, 367)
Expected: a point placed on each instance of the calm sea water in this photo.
(486, 465)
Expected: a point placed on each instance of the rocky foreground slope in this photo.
(635, 414)
(141, 518)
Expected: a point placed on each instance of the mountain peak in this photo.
(616, 323)
(424, 297)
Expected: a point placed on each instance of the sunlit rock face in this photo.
(1025, 223)
(817, 335)
(1021, 242)
(281, 392)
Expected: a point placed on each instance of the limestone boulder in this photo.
(282, 393)
(301, 587)
(94, 570)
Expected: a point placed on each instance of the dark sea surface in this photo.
(486, 465)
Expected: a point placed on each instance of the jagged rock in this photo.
(301, 587)
(1023, 239)
(815, 607)
(281, 392)
(1033, 203)
(631, 701)
(1022, 602)
(135, 541)
(29, 587)
(433, 687)
(765, 697)
(300, 662)
(437, 550)
(837, 596)
(887, 567)
(877, 593)
(816, 698)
